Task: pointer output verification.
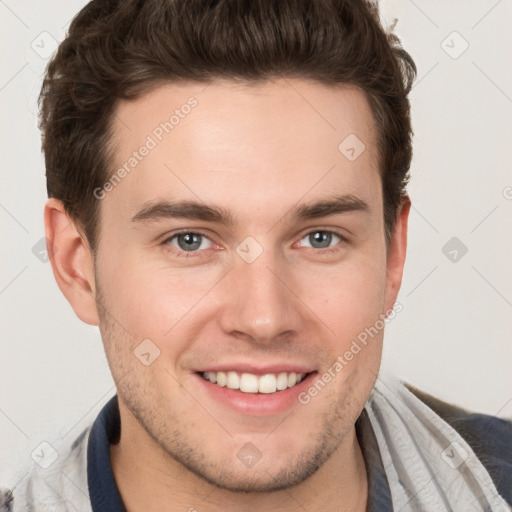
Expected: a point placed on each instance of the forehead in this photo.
(258, 146)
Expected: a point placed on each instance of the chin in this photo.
(258, 475)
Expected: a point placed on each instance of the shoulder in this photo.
(57, 488)
(490, 438)
(6, 500)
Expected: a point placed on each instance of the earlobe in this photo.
(396, 253)
(72, 261)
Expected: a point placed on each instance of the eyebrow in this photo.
(161, 210)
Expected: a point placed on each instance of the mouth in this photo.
(268, 383)
(252, 392)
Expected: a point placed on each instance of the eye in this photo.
(189, 241)
(321, 239)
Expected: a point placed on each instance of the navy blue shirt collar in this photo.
(106, 430)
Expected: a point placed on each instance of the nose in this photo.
(260, 301)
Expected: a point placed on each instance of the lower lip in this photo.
(257, 404)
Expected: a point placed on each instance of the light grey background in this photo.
(452, 338)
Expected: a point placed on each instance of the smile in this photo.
(251, 383)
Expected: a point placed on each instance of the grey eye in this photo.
(189, 241)
(320, 239)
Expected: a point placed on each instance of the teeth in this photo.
(249, 383)
(282, 381)
(267, 383)
(233, 380)
(221, 379)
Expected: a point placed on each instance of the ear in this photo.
(396, 253)
(72, 261)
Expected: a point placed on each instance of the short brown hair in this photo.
(118, 49)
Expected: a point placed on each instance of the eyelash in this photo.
(195, 254)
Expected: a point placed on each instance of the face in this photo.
(246, 247)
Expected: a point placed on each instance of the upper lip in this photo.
(258, 369)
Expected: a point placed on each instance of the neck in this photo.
(150, 480)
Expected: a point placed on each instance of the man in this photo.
(228, 204)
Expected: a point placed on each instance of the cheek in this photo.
(154, 301)
(349, 298)
(352, 307)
